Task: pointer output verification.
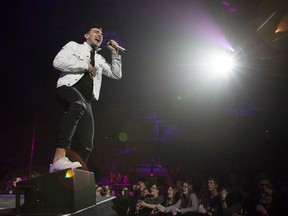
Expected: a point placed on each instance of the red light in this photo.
(151, 174)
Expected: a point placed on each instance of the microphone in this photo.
(122, 49)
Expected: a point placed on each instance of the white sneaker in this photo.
(63, 163)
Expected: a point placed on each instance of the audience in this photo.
(144, 207)
(262, 200)
(187, 203)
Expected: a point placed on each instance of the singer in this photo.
(78, 85)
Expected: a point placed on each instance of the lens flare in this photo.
(123, 137)
(222, 63)
(69, 173)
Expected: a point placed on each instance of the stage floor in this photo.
(102, 206)
(8, 203)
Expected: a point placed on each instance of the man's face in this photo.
(98, 189)
(211, 185)
(146, 192)
(263, 184)
(94, 37)
(154, 190)
(142, 186)
(266, 196)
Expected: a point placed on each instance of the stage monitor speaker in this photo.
(62, 192)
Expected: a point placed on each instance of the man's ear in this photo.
(86, 35)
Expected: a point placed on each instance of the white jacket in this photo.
(72, 62)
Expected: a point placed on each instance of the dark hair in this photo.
(190, 187)
(263, 176)
(213, 178)
(159, 188)
(103, 191)
(93, 26)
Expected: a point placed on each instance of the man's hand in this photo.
(260, 208)
(201, 209)
(142, 203)
(92, 71)
(110, 45)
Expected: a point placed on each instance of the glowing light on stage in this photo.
(123, 137)
(69, 173)
(222, 63)
(283, 25)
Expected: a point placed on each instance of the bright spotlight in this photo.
(222, 63)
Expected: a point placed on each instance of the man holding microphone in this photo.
(78, 85)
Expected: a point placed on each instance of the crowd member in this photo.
(230, 203)
(210, 203)
(98, 190)
(139, 193)
(263, 181)
(187, 203)
(11, 184)
(179, 188)
(144, 207)
(126, 179)
(119, 178)
(124, 203)
(146, 193)
(268, 204)
(108, 192)
(133, 190)
(112, 177)
(265, 199)
(169, 200)
(244, 194)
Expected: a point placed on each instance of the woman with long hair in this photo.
(187, 203)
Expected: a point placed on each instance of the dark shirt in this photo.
(212, 204)
(85, 84)
(85, 87)
(153, 201)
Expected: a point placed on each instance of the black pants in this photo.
(78, 119)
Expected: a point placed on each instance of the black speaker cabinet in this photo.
(62, 192)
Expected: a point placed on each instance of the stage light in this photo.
(69, 173)
(283, 25)
(222, 63)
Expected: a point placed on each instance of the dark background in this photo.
(242, 118)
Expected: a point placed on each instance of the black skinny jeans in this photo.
(78, 119)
